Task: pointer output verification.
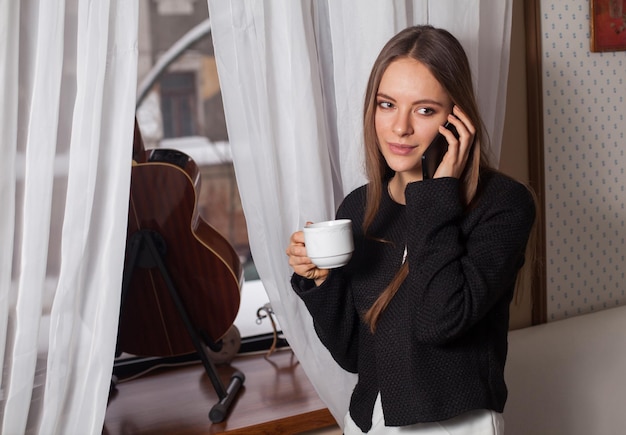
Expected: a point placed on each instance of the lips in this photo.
(400, 149)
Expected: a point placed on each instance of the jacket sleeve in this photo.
(334, 317)
(331, 305)
(461, 263)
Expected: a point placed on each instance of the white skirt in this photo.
(477, 422)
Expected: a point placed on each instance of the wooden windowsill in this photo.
(276, 398)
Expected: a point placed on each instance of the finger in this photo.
(454, 160)
(297, 238)
(465, 129)
(452, 154)
(300, 264)
(467, 122)
(449, 135)
(316, 273)
(297, 255)
(307, 271)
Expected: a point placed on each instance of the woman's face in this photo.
(410, 106)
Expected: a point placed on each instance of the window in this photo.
(178, 104)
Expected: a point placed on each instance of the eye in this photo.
(425, 111)
(383, 104)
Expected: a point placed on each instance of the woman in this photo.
(420, 312)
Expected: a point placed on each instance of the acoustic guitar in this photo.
(202, 265)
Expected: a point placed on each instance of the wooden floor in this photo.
(276, 398)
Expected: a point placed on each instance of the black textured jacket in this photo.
(440, 346)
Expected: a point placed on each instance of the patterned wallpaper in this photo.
(584, 99)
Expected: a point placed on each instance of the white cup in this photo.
(329, 244)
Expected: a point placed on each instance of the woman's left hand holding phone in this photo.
(455, 159)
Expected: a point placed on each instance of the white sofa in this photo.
(568, 377)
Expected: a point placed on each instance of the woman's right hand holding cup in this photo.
(300, 262)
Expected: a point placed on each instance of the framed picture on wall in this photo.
(608, 25)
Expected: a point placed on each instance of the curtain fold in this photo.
(9, 56)
(43, 49)
(68, 136)
(293, 78)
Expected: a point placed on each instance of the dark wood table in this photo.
(276, 398)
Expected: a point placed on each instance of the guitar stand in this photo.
(153, 257)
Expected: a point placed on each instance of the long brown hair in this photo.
(445, 58)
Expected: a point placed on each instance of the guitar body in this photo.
(204, 268)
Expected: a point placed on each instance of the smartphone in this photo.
(434, 153)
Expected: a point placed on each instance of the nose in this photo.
(402, 125)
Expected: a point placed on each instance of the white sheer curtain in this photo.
(67, 85)
(293, 76)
